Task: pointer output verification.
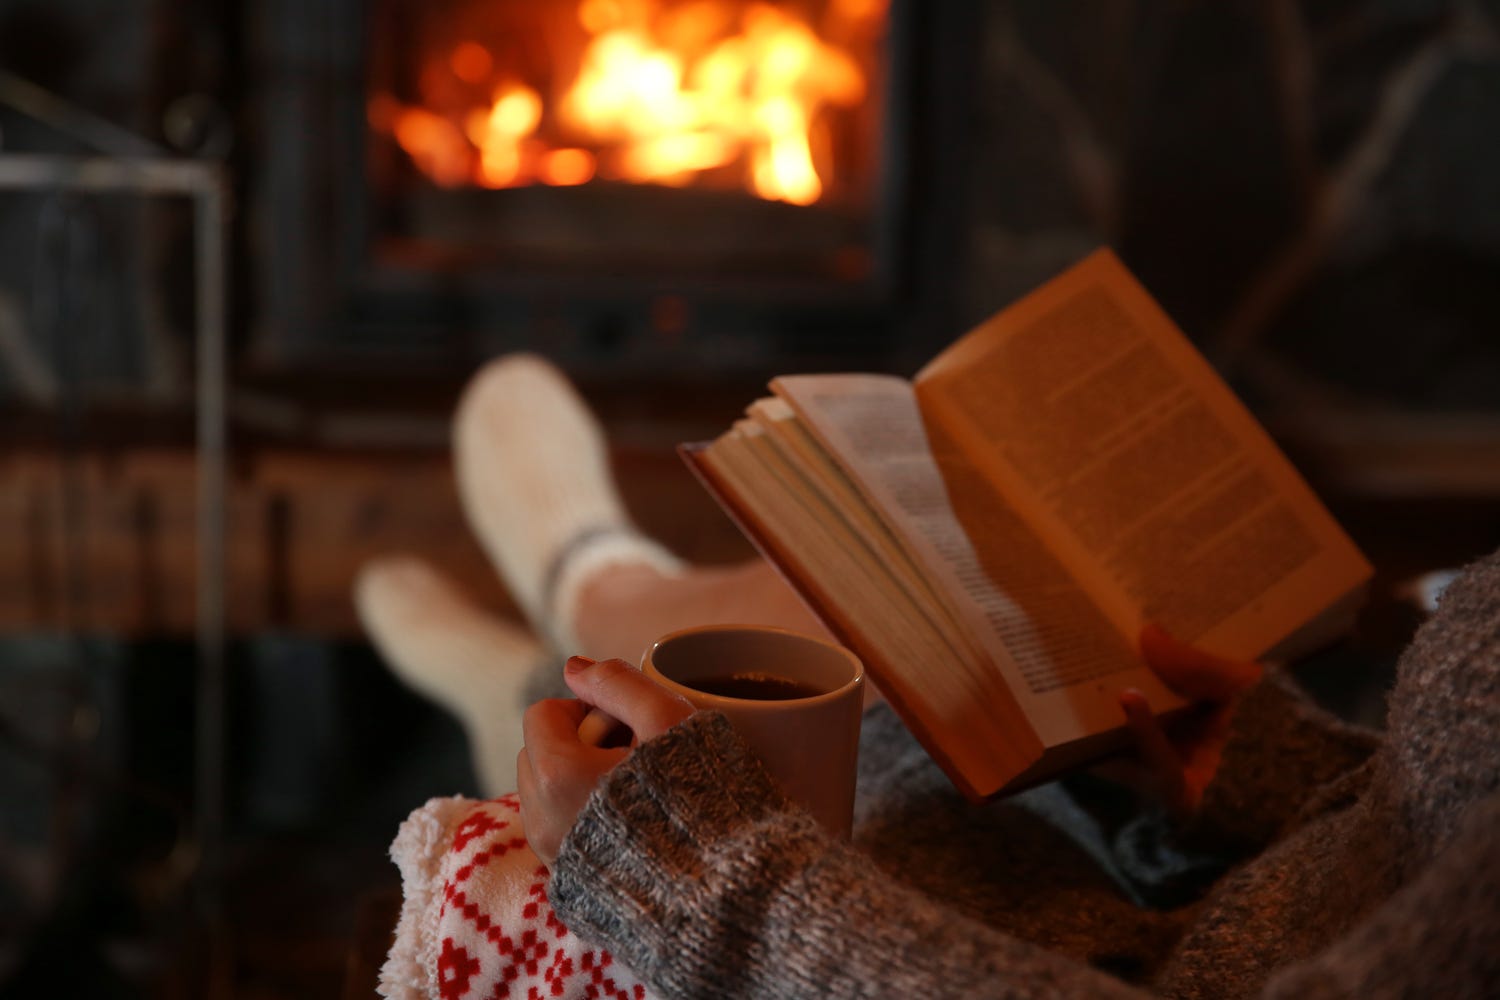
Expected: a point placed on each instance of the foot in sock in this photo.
(477, 666)
(534, 478)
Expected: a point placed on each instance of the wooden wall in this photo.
(108, 541)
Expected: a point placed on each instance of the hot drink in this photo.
(756, 687)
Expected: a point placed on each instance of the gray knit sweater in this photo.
(1370, 868)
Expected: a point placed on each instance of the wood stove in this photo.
(634, 187)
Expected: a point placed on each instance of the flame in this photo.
(501, 134)
(662, 94)
(567, 167)
(434, 144)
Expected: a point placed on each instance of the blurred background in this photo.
(250, 251)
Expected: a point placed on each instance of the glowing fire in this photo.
(663, 94)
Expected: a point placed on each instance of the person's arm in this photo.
(695, 872)
(684, 860)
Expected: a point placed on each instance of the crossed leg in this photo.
(534, 479)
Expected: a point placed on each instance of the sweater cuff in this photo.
(1281, 748)
(699, 769)
(668, 824)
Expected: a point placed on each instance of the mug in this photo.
(796, 701)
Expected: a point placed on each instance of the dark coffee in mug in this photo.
(755, 687)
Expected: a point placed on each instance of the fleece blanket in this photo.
(475, 923)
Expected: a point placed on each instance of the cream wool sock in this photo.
(534, 477)
(475, 665)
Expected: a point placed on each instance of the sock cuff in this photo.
(589, 552)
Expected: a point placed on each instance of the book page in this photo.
(797, 447)
(1087, 408)
(1057, 652)
(842, 515)
(972, 728)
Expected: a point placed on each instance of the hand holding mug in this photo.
(796, 701)
(558, 768)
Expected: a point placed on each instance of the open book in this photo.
(991, 537)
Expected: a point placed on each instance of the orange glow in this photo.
(435, 145)
(501, 135)
(663, 157)
(663, 94)
(516, 112)
(861, 10)
(600, 15)
(471, 63)
(567, 167)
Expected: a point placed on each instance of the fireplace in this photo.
(699, 134)
(715, 187)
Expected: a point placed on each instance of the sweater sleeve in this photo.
(693, 869)
(1282, 749)
(1434, 938)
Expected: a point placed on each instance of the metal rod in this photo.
(49, 109)
(74, 173)
(209, 206)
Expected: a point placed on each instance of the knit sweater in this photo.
(1370, 867)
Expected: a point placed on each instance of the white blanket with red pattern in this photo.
(475, 921)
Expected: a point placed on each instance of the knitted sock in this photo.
(478, 667)
(534, 478)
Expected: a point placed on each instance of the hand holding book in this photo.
(1181, 757)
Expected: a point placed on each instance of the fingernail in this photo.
(577, 663)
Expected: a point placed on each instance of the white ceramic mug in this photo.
(809, 744)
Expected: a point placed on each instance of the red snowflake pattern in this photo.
(504, 943)
(454, 970)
